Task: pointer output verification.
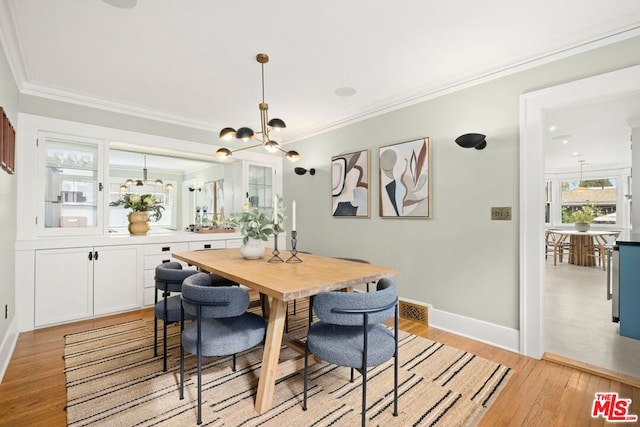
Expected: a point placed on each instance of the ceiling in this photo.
(192, 62)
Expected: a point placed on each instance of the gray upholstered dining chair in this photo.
(168, 277)
(350, 333)
(222, 327)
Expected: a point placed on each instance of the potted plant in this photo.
(256, 226)
(141, 205)
(584, 217)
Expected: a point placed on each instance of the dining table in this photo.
(582, 244)
(278, 283)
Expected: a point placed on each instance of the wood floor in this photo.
(540, 393)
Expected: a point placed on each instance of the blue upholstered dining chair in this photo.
(350, 333)
(223, 326)
(169, 277)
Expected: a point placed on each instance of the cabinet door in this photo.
(117, 278)
(63, 291)
(70, 185)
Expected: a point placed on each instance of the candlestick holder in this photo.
(294, 251)
(275, 252)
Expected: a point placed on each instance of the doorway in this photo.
(532, 162)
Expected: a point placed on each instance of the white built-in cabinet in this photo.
(70, 183)
(63, 220)
(78, 283)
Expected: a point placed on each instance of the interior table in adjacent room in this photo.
(583, 245)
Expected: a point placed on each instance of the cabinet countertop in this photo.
(121, 238)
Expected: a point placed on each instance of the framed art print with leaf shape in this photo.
(405, 179)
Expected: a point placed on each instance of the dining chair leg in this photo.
(364, 396)
(181, 373)
(181, 355)
(155, 337)
(306, 374)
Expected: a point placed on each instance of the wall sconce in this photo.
(301, 171)
(472, 140)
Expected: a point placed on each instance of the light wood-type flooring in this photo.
(540, 393)
(578, 322)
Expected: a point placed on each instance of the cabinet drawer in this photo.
(151, 261)
(234, 243)
(165, 248)
(212, 244)
(150, 273)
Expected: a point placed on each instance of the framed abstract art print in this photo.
(350, 175)
(405, 179)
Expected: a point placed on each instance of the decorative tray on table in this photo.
(214, 230)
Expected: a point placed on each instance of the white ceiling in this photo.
(193, 62)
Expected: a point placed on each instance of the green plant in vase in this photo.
(141, 203)
(585, 216)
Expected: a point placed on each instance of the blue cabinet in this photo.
(629, 290)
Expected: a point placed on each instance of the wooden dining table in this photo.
(280, 283)
(582, 244)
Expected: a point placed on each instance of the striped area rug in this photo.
(114, 380)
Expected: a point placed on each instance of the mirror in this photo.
(181, 181)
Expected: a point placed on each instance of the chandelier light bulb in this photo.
(271, 146)
(223, 153)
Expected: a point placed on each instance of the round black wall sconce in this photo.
(301, 171)
(472, 140)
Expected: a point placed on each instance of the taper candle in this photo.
(275, 210)
(293, 221)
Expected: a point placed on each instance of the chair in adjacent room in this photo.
(168, 277)
(222, 327)
(351, 333)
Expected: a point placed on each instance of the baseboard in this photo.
(8, 345)
(488, 333)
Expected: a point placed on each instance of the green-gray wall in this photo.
(9, 102)
(459, 261)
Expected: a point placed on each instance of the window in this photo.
(547, 201)
(601, 193)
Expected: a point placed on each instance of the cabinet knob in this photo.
(207, 246)
(100, 186)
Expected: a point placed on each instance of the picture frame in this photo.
(350, 184)
(7, 144)
(405, 179)
(3, 162)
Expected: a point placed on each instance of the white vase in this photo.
(583, 226)
(253, 249)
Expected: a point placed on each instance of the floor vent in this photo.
(415, 312)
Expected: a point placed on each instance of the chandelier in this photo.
(266, 126)
(144, 181)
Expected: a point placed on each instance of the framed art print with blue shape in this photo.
(350, 182)
(405, 179)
